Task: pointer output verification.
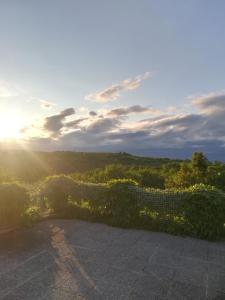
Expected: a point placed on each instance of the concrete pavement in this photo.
(69, 259)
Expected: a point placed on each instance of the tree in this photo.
(183, 178)
(199, 165)
(216, 175)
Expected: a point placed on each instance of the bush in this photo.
(147, 177)
(31, 216)
(13, 202)
(204, 211)
(93, 196)
(122, 182)
(61, 191)
(57, 189)
(198, 211)
(122, 204)
(164, 202)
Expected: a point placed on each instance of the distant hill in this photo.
(24, 165)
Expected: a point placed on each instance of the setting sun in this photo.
(10, 125)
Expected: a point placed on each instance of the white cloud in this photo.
(112, 93)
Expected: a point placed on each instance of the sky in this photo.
(145, 77)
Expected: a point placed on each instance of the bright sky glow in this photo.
(10, 125)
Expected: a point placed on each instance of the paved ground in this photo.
(61, 260)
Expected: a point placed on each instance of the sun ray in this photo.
(10, 125)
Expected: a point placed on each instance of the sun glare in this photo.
(10, 126)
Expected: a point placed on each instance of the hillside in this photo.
(24, 165)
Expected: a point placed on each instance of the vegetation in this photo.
(144, 176)
(30, 166)
(13, 203)
(180, 197)
(204, 211)
(198, 211)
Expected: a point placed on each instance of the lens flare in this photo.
(10, 125)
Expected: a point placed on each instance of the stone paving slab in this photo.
(69, 259)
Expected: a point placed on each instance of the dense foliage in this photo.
(181, 197)
(31, 166)
(58, 190)
(198, 170)
(197, 211)
(122, 205)
(144, 176)
(13, 202)
(204, 211)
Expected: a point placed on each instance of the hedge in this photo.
(204, 211)
(13, 202)
(201, 208)
(198, 211)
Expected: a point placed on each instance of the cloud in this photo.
(75, 123)
(135, 109)
(103, 125)
(92, 113)
(210, 104)
(177, 134)
(46, 104)
(68, 112)
(54, 124)
(112, 93)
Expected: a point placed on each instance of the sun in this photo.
(10, 125)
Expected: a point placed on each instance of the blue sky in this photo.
(56, 55)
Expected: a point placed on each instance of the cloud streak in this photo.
(211, 103)
(114, 92)
(135, 109)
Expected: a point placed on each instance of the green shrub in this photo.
(122, 205)
(123, 182)
(13, 202)
(147, 177)
(57, 189)
(31, 216)
(198, 211)
(204, 211)
(61, 191)
(164, 202)
(93, 195)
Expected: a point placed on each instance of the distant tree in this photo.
(216, 175)
(146, 177)
(183, 178)
(190, 173)
(111, 171)
(199, 164)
